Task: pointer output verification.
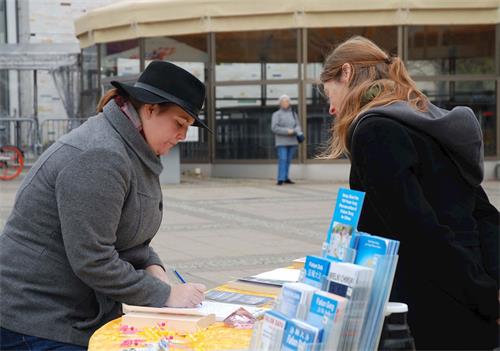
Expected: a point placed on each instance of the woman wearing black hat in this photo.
(76, 244)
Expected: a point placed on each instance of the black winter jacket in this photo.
(449, 232)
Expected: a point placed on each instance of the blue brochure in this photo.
(324, 308)
(370, 247)
(300, 336)
(344, 222)
(273, 328)
(327, 311)
(316, 271)
(290, 301)
(380, 254)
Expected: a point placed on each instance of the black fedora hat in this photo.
(163, 81)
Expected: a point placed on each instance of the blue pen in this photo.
(182, 280)
(180, 277)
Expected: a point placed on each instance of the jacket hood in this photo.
(457, 131)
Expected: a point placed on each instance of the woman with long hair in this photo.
(421, 168)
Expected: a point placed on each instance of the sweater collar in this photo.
(132, 137)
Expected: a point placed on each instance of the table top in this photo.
(114, 336)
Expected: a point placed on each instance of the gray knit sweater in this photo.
(77, 241)
(282, 120)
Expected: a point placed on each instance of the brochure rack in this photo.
(349, 286)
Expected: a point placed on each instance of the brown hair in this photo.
(376, 79)
(112, 93)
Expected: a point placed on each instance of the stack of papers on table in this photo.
(237, 298)
(276, 277)
(187, 320)
(219, 309)
(267, 282)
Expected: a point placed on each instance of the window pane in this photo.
(321, 41)
(319, 121)
(239, 118)
(3, 24)
(120, 58)
(186, 51)
(281, 71)
(4, 93)
(238, 95)
(478, 95)
(274, 91)
(451, 50)
(195, 147)
(90, 94)
(238, 71)
(89, 65)
(190, 53)
(243, 120)
(249, 55)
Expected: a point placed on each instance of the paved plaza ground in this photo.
(215, 230)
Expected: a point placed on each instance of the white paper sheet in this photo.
(285, 274)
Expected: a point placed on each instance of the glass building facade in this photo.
(4, 74)
(246, 71)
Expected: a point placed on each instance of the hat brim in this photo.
(148, 97)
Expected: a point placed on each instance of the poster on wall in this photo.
(127, 66)
(192, 135)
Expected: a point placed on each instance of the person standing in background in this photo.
(286, 128)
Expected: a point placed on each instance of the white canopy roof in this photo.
(151, 18)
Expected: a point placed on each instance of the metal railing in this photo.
(33, 138)
(53, 129)
(23, 133)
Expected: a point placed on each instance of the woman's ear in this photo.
(147, 111)
(346, 72)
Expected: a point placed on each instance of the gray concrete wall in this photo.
(490, 170)
(171, 167)
(337, 172)
(327, 171)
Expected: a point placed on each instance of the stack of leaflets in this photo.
(354, 283)
(380, 254)
(345, 219)
(316, 271)
(277, 332)
(271, 332)
(370, 247)
(301, 336)
(327, 311)
(295, 299)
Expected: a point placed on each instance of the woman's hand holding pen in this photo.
(186, 295)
